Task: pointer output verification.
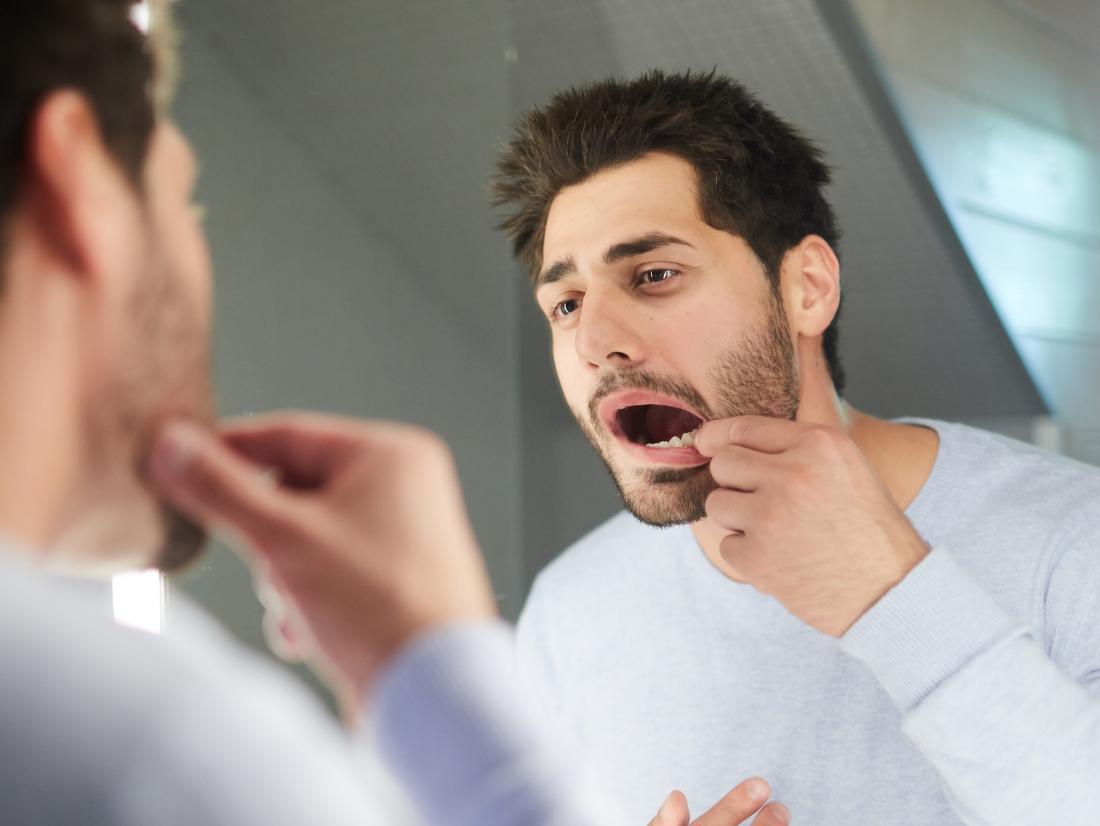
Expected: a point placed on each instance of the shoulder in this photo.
(1038, 485)
(139, 723)
(66, 645)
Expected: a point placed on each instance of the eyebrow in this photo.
(624, 249)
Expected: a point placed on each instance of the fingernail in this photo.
(758, 790)
(782, 812)
(176, 444)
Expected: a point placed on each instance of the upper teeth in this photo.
(685, 440)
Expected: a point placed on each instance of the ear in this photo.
(810, 282)
(79, 202)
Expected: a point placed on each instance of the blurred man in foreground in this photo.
(104, 325)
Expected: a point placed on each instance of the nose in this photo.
(607, 335)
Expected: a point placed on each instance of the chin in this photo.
(663, 498)
(127, 534)
(182, 541)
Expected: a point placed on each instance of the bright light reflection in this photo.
(139, 600)
(141, 15)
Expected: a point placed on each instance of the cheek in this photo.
(689, 341)
(190, 259)
(572, 378)
(200, 269)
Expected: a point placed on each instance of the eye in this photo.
(657, 276)
(564, 309)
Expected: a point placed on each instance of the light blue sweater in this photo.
(107, 726)
(970, 693)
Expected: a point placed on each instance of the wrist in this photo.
(403, 634)
(906, 551)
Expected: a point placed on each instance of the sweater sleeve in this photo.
(1015, 738)
(456, 729)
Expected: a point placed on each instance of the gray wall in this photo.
(321, 252)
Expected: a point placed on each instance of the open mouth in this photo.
(652, 425)
(658, 425)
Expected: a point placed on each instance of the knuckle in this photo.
(732, 548)
(719, 465)
(819, 438)
(801, 477)
(423, 445)
(713, 502)
(826, 441)
(737, 431)
(772, 815)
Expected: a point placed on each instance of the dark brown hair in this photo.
(759, 177)
(89, 46)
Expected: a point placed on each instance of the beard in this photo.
(166, 375)
(757, 376)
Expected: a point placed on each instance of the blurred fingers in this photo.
(761, 433)
(774, 814)
(216, 486)
(673, 812)
(738, 805)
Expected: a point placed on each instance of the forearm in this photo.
(1015, 739)
(455, 729)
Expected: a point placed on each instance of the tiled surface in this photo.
(1002, 99)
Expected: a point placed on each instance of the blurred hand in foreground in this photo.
(359, 527)
(742, 802)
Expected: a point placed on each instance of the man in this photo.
(104, 318)
(683, 251)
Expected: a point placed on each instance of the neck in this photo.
(902, 455)
(38, 410)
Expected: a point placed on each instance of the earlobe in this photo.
(814, 283)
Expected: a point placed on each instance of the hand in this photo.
(360, 527)
(811, 523)
(735, 808)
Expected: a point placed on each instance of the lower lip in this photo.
(680, 456)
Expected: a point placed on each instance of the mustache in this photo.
(638, 379)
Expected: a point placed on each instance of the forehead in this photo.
(657, 191)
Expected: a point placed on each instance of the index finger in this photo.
(304, 448)
(212, 484)
(307, 449)
(762, 433)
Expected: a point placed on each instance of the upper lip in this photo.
(609, 408)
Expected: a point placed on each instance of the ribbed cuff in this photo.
(450, 721)
(926, 629)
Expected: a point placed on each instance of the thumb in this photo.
(214, 485)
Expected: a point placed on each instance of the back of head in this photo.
(101, 259)
(759, 177)
(89, 46)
